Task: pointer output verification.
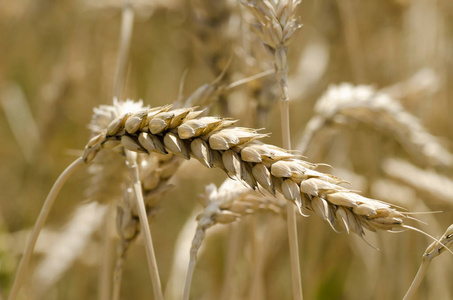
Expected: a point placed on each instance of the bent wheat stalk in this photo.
(25, 260)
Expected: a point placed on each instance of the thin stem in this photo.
(127, 22)
(25, 260)
(294, 252)
(181, 260)
(151, 258)
(418, 278)
(196, 243)
(313, 126)
(105, 273)
(351, 33)
(188, 283)
(284, 112)
(198, 238)
(259, 250)
(248, 79)
(234, 247)
(126, 34)
(291, 209)
(118, 273)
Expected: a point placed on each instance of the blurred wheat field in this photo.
(58, 63)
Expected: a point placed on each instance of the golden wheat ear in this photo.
(236, 150)
(47, 206)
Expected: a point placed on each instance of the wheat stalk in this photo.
(352, 39)
(20, 119)
(231, 259)
(131, 162)
(105, 271)
(25, 260)
(433, 250)
(277, 26)
(180, 259)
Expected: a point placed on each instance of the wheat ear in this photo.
(25, 260)
(433, 250)
(105, 251)
(346, 104)
(235, 150)
(427, 182)
(233, 251)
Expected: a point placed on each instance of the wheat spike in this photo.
(276, 24)
(317, 191)
(348, 104)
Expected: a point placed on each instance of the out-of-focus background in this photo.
(58, 62)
